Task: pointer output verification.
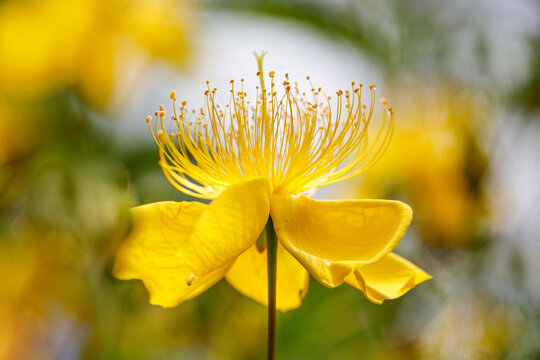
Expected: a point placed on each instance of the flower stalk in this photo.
(271, 251)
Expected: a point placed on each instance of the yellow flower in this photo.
(257, 160)
(49, 45)
(438, 169)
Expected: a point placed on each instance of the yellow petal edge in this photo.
(388, 278)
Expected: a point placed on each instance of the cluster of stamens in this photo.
(298, 144)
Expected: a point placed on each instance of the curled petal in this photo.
(352, 230)
(150, 252)
(329, 273)
(388, 278)
(330, 238)
(249, 275)
(227, 227)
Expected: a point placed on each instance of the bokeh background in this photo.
(78, 77)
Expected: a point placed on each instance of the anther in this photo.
(148, 119)
(184, 103)
(372, 86)
(271, 73)
(190, 279)
(162, 113)
(161, 108)
(383, 101)
(173, 95)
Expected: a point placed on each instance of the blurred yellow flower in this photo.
(434, 160)
(256, 160)
(51, 45)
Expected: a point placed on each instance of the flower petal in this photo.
(330, 238)
(328, 273)
(388, 278)
(351, 230)
(249, 275)
(227, 227)
(150, 252)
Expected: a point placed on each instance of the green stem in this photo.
(271, 251)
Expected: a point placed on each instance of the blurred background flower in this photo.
(435, 160)
(77, 79)
(84, 45)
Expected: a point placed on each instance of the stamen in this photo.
(190, 279)
(298, 145)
